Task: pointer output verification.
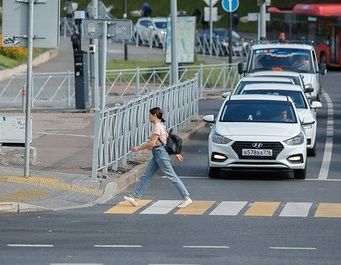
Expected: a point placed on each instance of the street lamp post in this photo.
(125, 15)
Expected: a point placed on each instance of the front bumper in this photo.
(280, 160)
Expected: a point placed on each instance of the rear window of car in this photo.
(242, 84)
(296, 96)
(269, 111)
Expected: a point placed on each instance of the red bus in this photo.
(320, 23)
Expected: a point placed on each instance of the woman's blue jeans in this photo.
(160, 160)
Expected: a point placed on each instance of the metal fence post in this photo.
(95, 144)
(68, 88)
(137, 92)
(65, 27)
(224, 76)
(201, 79)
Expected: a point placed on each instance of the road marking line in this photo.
(76, 263)
(327, 155)
(190, 177)
(209, 247)
(161, 207)
(196, 208)
(324, 179)
(126, 208)
(30, 245)
(230, 208)
(262, 209)
(171, 264)
(296, 209)
(292, 248)
(117, 246)
(328, 210)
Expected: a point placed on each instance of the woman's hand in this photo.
(179, 157)
(135, 149)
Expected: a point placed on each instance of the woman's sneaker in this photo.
(132, 200)
(186, 202)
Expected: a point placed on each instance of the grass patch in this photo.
(6, 62)
(131, 64)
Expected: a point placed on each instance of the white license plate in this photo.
(256, 152)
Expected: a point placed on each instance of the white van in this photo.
(286, 56)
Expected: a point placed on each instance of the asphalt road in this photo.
(242, 218)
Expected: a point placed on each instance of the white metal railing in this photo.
(119, 128)
(57, 89)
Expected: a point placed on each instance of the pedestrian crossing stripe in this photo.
(230, 208)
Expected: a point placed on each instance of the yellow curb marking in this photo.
(262, 209)
(52, 183)
(328, 210)
(23, 195)
(196, 208)
(126, 208)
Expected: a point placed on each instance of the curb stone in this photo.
(19, 207)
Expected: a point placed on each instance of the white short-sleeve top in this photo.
(160, 130)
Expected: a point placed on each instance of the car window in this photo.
(161, 24)
(296, 96)
(144, 23)
(268, 111)
(287, 59)
(295, 79)
(242, 84)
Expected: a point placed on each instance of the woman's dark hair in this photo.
(158, 112)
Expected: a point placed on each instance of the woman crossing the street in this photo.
(160, 160)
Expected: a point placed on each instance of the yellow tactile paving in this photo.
(262, 209)
(52, 183)
(328, 210)
(126, 208)
(196, 208)
(23, 195)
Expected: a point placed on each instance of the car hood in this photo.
(257, 130)
(306, 115)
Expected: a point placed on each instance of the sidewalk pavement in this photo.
(60, 177)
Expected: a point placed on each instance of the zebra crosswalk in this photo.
(230, 208)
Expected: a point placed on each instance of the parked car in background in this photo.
(151, 31)
(220, 39)
(257, 132)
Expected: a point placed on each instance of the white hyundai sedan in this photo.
(257, 132)
(306, 111)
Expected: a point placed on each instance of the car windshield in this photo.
(281, 59)
(242, 84)
(161, 24)
(269, 111)
(296, 96)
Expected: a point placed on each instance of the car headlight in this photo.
(307, 125)
(219, 139)
(297, 140)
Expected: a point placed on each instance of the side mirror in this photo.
(323, 68)
(226, 94)
(308, 89)
(241, 68)
(316, 105)
(209, 118)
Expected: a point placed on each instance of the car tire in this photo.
(300, 173)
(312, 151)
(214, 172)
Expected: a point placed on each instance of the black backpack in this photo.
(174, 143)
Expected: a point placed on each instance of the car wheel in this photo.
(312, 151)
(300, 173)
(213, 172)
